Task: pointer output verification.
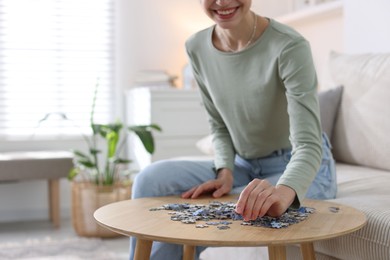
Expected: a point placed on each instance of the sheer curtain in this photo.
(52, 55)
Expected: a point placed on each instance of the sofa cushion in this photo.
(329, 101)
(361, 130)
(366, 189)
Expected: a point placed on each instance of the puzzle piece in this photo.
(215, 210)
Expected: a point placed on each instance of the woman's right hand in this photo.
(220, 186)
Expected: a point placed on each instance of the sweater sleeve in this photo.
(224, 152)
(298, 75)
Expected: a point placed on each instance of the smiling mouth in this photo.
(226, 13)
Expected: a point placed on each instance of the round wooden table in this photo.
(134, 218)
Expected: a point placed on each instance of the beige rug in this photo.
(54, 249)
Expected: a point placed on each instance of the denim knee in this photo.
(324, 185)
(147, 181)
(170, 177)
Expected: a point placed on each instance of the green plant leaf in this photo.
(94, 151)
(111, 133)
(145, 135)
(122, 161)
(80, 154)
(112, 141)
(155, 127)
(86, 162)
(73, 173)
(116, 127)
(96, 128)
(104, 130)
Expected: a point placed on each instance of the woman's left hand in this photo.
(219, 187)
(261, 198)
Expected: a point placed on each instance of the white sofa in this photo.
(361, 147)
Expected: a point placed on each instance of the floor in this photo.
(19, 232)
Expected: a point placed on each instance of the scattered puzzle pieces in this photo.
(224, 211)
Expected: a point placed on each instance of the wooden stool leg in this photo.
(142, 249)
(188, 252)
(307, 250)
(277, 252)
(54, 202)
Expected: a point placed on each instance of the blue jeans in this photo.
(173, 177)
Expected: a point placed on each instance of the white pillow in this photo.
(205, 145)
(329, 101)
(362, 127)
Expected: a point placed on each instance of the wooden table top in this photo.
(133, 218)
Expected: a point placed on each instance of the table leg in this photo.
(277, 252)
(307, 250)
(142, 249)
(54, 201)
(188, 252)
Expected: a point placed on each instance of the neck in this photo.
(239, 38)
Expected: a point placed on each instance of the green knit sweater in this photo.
(260, 100)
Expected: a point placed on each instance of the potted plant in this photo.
(95, 183)
(105, 172)
(100, 175)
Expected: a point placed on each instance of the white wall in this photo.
(323, 27)
(272, 8)
(367, 26)
(153, 33)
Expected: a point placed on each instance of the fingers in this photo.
(242, 200)
(224, 183)
(221, 186)
(196, 191)
(263, 203)
(256, 199)
(205, 187)
(188, 194)
(224, 189)
(244, 196)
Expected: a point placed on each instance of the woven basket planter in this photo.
(87, 198)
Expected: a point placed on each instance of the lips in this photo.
(226, 13)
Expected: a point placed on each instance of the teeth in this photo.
(225, 12)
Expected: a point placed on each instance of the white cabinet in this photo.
(179, 113)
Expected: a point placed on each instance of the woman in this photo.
(258, 84)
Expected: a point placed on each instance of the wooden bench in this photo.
(49, 165)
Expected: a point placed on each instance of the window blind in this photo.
(52, 55)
